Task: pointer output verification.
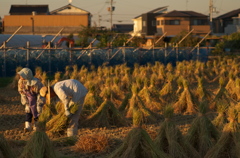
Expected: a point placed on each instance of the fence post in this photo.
(4, 62)
(177, 52)
(124, 52)
(165, 54)
(49, 58)
(28, 46)
(153, 52)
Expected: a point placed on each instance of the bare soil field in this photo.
(12, 124)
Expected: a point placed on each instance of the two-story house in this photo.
(227, 23)
(175, 22)
(37, 19)
(145, 24)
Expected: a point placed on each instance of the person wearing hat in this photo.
(69, 92)
(29, 88)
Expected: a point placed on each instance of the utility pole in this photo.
(111, 9)
(212, 10)
(210, 14)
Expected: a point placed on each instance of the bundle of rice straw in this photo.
(92, 101)
(138, 143)
(57, 125)
(136, 101)
(147, 97)
(5, 149)
(167, 91)
(170, 140)
(39, 146)
(221, 119)
(202, 93)
(186, 103)
(107, 115)
(125, 102)
(228, 144)
(222, 95)
(202, 134)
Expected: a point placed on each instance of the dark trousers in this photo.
(29, 117)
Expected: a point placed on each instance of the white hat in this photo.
(26, 73)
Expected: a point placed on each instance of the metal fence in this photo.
(53, 60)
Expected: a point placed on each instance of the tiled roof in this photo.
(176, 13)
(229, 14)
(28, 9)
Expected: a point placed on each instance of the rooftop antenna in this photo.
(186, 4)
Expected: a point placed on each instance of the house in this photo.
(36, 19)
(227, 23)
(122, 28)
(175, 22)
(145, 24)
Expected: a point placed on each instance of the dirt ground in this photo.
(12, 117)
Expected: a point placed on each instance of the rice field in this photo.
(152, 110)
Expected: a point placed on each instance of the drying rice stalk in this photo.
(57, 78)
(107, 114)
(39, 146)
(5, 148)
(147, 97)
(185, 103)
(170, 140)
(58, 123)
(228, 144)
(92, 101)
(136, 102)
(202, 93)
(202, 134)
(222, 96)
(137, 144)
(221, 119)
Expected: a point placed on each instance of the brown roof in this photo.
(176, 13)
(28, 9)
(230, 14)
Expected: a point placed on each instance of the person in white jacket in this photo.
(29, 88)
(69, 92)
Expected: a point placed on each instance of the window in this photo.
(172, 22)
(199, 22)
(144, 23)
(158, 22)
(154, 23)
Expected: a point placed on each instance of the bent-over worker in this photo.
(69, 92)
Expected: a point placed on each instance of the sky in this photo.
(126, 10)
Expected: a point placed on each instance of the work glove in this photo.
(68, 114)
(39, 109)
(27, 109)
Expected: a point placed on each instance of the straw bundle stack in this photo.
(228, 144)
(38, 146)
(202, 134)
(170, 140)
(5, 149)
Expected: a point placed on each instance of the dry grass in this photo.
(92, 143)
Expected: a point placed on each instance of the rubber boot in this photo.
(72, 132)
(27, 127)
(35, 126)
